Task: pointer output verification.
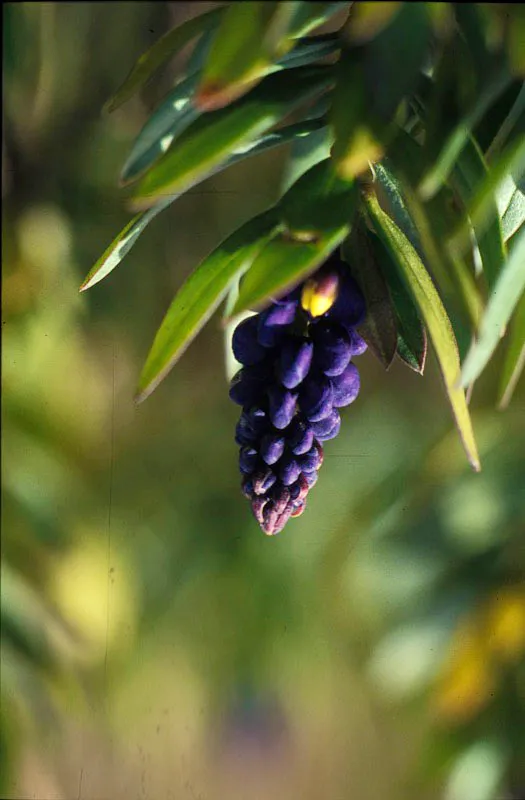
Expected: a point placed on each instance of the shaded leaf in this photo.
(379, 329)
(411, 334)
(514, 357)
(200, 295)
(467, 174)
(366, 20)
(457, 139)
(501, 304)
(123, 243)
(165, 48)
(309, 16)
(211, 138)
(420, 285)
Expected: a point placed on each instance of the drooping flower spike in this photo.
(297, 371)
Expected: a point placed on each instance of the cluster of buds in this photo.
(297, 373)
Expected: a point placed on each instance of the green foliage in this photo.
(399, 101)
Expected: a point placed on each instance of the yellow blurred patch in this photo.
(468, 681)
(318, 298)
(505, 623)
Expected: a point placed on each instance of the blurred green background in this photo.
(154, 642)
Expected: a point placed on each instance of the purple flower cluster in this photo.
(297, 372)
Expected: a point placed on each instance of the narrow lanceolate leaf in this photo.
(502, 302)
(309, 16)
(514, 215)
(127, 238)
(317, 213)
(468, 173)
(379, 329)
(411, 334)
(123, 243)
(283, 263)
(209, 140)
(457, 139)
(168, 121)
(200, 295)
(251, 36)
(514, 357)
(164, 49)
(420, 285)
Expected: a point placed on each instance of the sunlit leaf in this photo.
(211, 138)
(502, 302)
(123, 243)
(420, 285)
(157, 55)
(514, 357)
(514, 215)
(366, 20)
(310, 15)
(468, 173)
(200, 295)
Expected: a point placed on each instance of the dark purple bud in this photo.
(244, 433)
(258, 420)
(289, 470)
(332, 348)
(245, 345)
(315, 399)
(299, 489)
(263, 480)
(357, 343)
(301, 438)
(311, 478)
(296, 357)
(248, 457)
(346, 387)
(280, 497)
(349, 308)
(247, 488)
(273, 321)
(282, 406)
(313, 459)
(272, 448)
(247, 386)
(327, 428)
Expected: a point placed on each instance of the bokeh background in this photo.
(154, 643)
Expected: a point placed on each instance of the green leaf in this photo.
(379, 329)
(211, 138)
(164, 49)
(468, 173)
(366, 20)
(457, 139)
(419, 283)
(168, 121)
(411, 334)
(514, 215)
(305, 153)
(514, 357)
(123, 243)
(502, 302)
(250, 37)
(309, 16)
(514, 117)
(200, 295)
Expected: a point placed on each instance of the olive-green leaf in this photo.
(438, 173)
(411, 334)
(200, 295)
(123, 243)
(125, 240)
(501, 304)
(212, 138)
(469, 171)
(419, 283)
(309, 16)
(251, 36)
(514, 362)
(157, 55)
(379, 328)
(283, 263)
(514, 214)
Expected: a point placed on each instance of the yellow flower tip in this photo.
(319, 294)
